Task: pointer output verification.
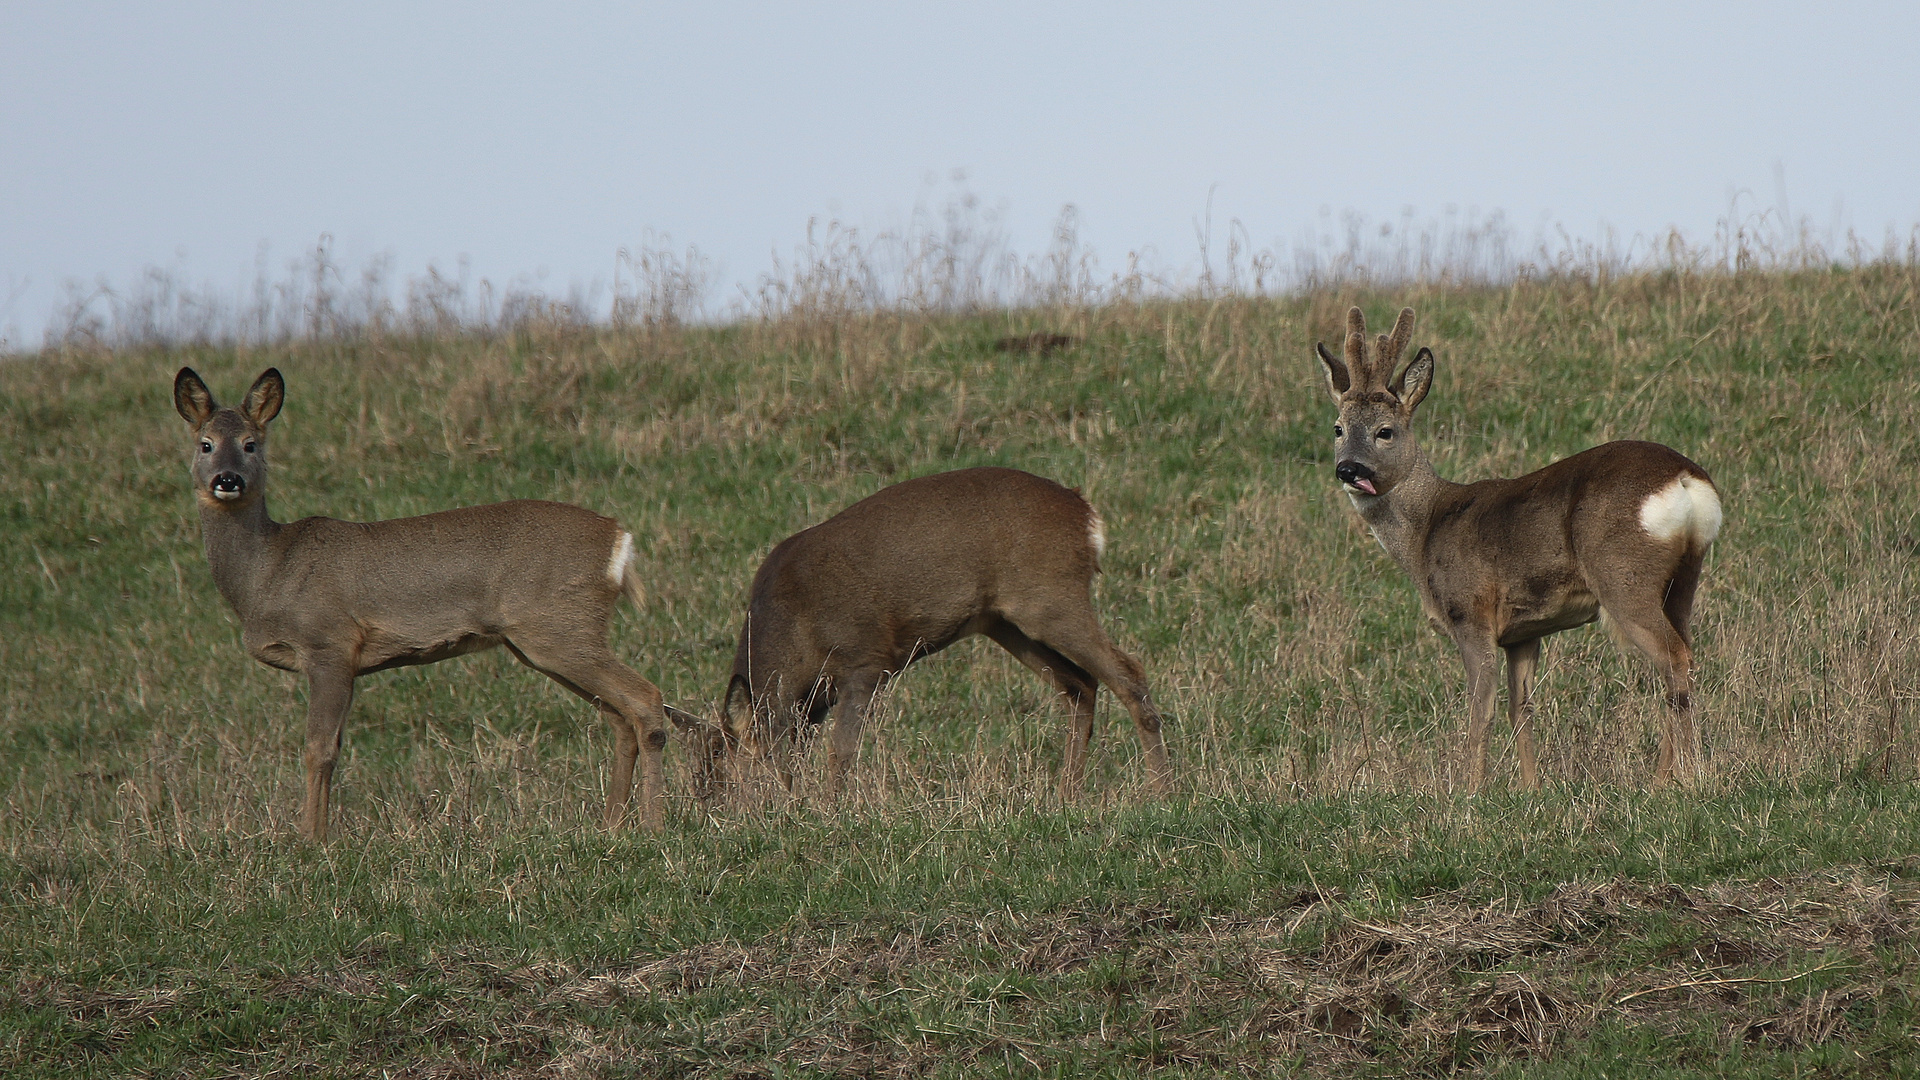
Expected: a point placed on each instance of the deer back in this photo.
(1576, 503)
(909, 570)
(479, 570)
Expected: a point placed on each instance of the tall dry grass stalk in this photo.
(956, 259)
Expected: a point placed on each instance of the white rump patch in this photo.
(622, 558)
(1097, 535)
(1688, 507)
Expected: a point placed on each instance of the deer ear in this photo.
(264, 400)
(192, 398)
(1339, 379)
(737, 689)
(1412, 385)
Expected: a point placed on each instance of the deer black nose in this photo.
(228, 485)
(1352, 472)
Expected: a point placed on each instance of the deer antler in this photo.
(1356, 352)
(1392, 347)
(1362, 373)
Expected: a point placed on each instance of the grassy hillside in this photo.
(1302, 902)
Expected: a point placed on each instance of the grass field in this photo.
(1317, 896)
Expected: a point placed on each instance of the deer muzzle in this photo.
(227, 486)
(1356, 477)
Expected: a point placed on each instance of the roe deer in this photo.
(1618, 530)
(838, 609)
(334, 600)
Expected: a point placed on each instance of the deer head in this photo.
(230, 454)
(710, 751)
(1374, 448)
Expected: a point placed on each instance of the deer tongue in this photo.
(1365, 485)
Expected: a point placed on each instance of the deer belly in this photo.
(1576, 607)
(380, 651)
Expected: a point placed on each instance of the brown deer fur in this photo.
(838, 609)
(335, 600)
(1620, 530)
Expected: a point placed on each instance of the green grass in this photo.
(1194, 936)
(1316, 897)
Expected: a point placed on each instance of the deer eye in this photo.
(1386, 434)
(206, 447)
(248, 446)
(1338, 431)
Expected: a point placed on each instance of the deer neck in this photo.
(240, 550)
(1400, 519)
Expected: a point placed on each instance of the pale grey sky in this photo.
(536, 142)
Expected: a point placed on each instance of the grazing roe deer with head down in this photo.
(1619, 530)
(334, 600)
(838, 609)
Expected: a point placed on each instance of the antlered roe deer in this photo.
(335, 600)
(840, 608)
(1619, 530)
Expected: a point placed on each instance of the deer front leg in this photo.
(1522, 661)
(849, 716)
(780, 757)
(1482, 661)
(329, 696)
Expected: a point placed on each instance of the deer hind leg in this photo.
(1645, 623)
(330, 695)
(626, 750)
(1077, 636)
(633, 706)
(1680, 592)
(1522, 661)
(1678, 607)
(1076, 688)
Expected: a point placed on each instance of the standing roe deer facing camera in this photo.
(334, 600)
(838, 609)
(1620, 530)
